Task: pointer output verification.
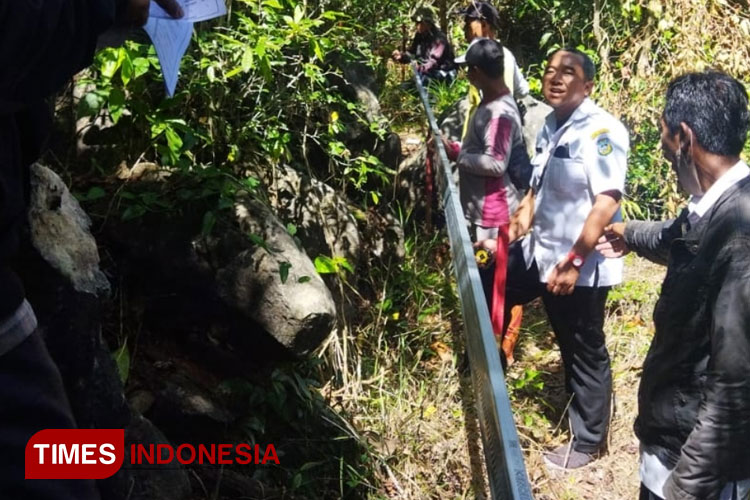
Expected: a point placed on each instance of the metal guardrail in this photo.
(502, 451)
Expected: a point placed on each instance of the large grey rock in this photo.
(60, 232)
(360, 85)
(168, 481)
(324, 222)
(276, 284)
(536, 114)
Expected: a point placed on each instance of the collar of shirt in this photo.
(582, 111)
(699, 205)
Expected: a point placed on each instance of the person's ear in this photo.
(686, 137)
(588, 87)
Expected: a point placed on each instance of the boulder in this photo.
(60, 232)
(533, 121)
(276, 284)
(326, 222)
(168, 481)
(360, 85)
(325, 225)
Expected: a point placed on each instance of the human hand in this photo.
(612, 243)
(522, 218)
(489, 244)
(136, 11)
(562, 279)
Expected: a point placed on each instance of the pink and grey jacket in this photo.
(492, 147)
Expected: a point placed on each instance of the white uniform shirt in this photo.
(585, 157)
(654, 473)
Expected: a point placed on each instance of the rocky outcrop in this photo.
(533, 121)
(60, 232)
(244, 273)
(276, 284)
(360, 85)
(324, 222)
(63, 281)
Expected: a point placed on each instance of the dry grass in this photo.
(415, 409)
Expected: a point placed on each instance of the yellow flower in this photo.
(334, 116)
(482, 256)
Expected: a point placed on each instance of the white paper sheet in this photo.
(194, 10)
(171, 39)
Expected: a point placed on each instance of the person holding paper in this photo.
(42, 44)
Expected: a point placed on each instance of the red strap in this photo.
(497, 315)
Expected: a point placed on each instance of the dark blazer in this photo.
(42, 44)
(694, 397)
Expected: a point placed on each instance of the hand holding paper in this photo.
(136, 12)
(171, 37)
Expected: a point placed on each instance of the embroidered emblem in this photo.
(604, 146)
(599, 132)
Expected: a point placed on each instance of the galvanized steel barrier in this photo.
(502, 450)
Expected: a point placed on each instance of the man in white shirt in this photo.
(579, 178)
(694, 398)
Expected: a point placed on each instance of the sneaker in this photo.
(566, 458)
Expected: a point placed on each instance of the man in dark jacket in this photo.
(694, 398)
(42, 44)
(430, 49)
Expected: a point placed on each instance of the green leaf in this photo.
(299, 13)
(284, 268)
(95, 193)
(296, 481)
(174, 141)
(303, 279)
(116, 104)
(126, 73)
(122, 360)
(544, 39)
(140, 66)
(341, 261)
(325, 265)
(316, 48)
(134, 212)
(291, 229)
(257, 240)
(247, 59)
(90, 105)
(209, 221)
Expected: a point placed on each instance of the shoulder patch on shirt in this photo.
(599, 132)
(604, 146)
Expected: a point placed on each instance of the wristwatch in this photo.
(575, 260)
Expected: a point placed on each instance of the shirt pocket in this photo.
(567, 175)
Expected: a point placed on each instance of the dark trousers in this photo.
(578, 323)
(32, 398)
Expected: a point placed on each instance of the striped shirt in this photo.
(493, 142)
